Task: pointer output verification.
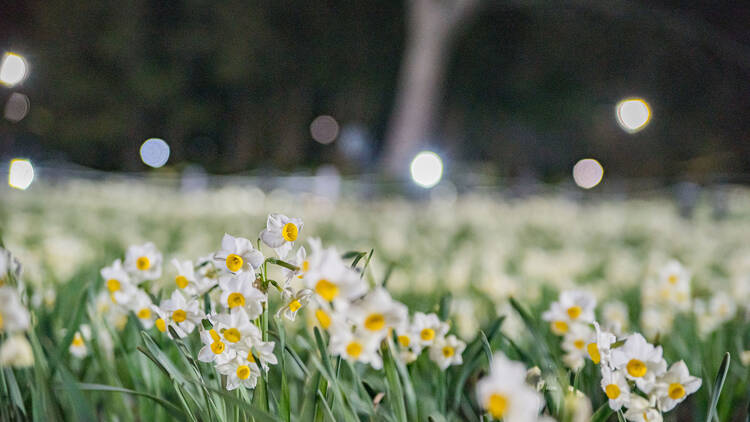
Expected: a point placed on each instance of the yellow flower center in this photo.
(636, 368)
(579, 344)
(593, 350)
(497, 405)
(305, 266)
(294, 305)
(559, 327)
(234, 262)
(326, 289)
(235, 299)
(144, 313)
(672, 279)
(161, 325)
(217, 347)
(354, 349)
(179, 316)
(404, 341)
(181, 281)
(77, 340)
(676, 391)
(323, 319)
(214, 335)
(448, 351)
(113, 285)
(289, 232)
(250, 357)
(143, 263)
(232, 335)
(243, 372)
(612, 391)
(574, 311)
(375, 322)
(427, 334)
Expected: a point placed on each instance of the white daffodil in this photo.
(674, 274)
(280, 233)
(186, 277)
(356, 346)
(143, 262)
(426, 328)
(642, 410)
(240, 372)
(599, 350)
(78, 346)
(118, 283)
(377, 313)
(326, 317)
(237, 254)
(332, 280)
(16, 352)
(674, 386)
(447, 351)
(214, 349)
(616, 388)
(183, 313)
(238, 291)
(504, 393)
(207, 273)
(722, 306)
(574, 344)
(141, 306)
(640, 361)
(236, 326)
(615, 317)
(300, 261)
(573, 306)
(14, 316)
(256, 350)
(293, 302)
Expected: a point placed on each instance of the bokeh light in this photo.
(12, 69)
(155, 152)
(20, 174)
(324, 129)
(633, 114)
(426, 169)
(17, 107)
(587, 173)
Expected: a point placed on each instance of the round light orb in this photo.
(587, 173)
(633, 114)
(426, 169)
(154, 152)
(324, 129)
(17, 107)
(12, 69)
(20, 174)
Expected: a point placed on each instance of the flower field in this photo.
(135, 301)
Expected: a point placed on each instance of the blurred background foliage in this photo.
(529, 86)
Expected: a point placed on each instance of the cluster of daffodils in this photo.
(15, 319)
(635, 376)
(224, 296)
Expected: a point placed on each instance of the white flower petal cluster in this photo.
(280, 233)
(505, 395)
(15, 318)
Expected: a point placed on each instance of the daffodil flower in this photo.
(358, 346)
(293, 302)
(237, 254)
(426, 328)
(184, 313)
(238, 291)
(674, 386)
(504, 393)
(377, 313)
(616, 388)
(143, 262)
(640, 361)
(573, 306)
(280, 233)
(447, 351)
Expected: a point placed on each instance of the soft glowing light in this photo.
(633, 114)
(587, 173)
(155, 152)
(20, 174)
(17, 107)
(324, 129)
(426, 169)
(12, 69)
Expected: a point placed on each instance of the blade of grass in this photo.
(721, 376)
(168, 406)
(394, 391)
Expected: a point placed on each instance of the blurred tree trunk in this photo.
(431, 26)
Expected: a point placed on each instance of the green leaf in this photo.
(284, 405)
(15, 392)
(486, 347)
(603, 413)
(169, 407)
(394, 391)
(721, 376)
